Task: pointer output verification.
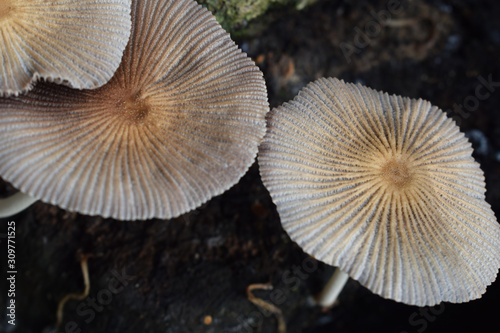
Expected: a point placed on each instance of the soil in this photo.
(190, 274)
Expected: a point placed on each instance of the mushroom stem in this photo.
(15, 203)
(332, 288)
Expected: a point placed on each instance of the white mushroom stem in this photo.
(15, 203)
(332, 288)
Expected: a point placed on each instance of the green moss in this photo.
(234, 14)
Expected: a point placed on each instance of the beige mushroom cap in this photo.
(78, 43)
(385, 188)
(179, 123)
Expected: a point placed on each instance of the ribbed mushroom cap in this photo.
(79, 43)
(385, 188)
(179, 123)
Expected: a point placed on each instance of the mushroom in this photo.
(385, 188)
(78, 43)
(178, 123)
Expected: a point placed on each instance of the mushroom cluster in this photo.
(178, 123)
(386, 189)
(147, 108)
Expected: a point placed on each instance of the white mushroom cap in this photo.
(78, 43)
(179, 123)
(385, 188)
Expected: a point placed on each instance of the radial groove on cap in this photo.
(179, 123)
(385, 188)
(78, 43)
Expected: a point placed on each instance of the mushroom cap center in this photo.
(396, 172)
(132, 106)
(6, 9)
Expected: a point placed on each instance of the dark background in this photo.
(199, 264)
